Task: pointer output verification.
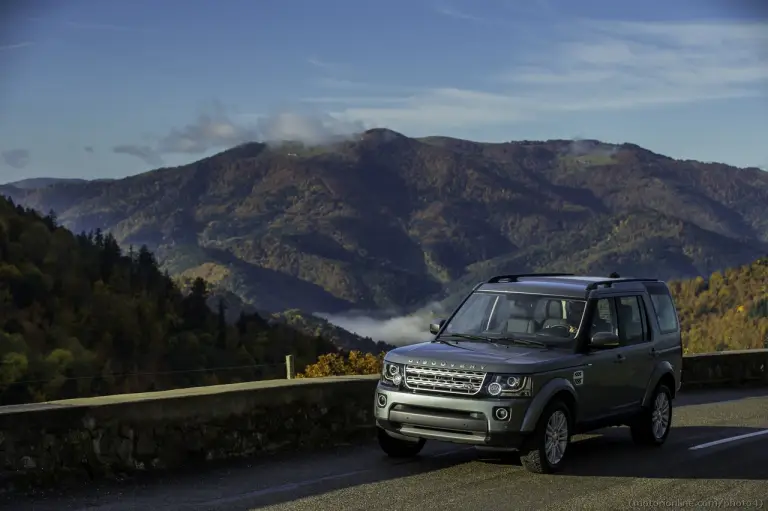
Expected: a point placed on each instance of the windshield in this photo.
(546, 318)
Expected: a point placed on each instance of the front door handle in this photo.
(619, 358)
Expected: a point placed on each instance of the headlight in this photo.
(505, 385)
(391, 374)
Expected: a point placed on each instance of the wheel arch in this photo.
(557, 389)
(663, 373)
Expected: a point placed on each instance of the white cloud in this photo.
(591, 66)
(15, 46)
(309, 129)
(216, 130)
(212, 129)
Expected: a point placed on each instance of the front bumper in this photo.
(457, 419)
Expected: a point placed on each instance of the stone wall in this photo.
(79, 439)
(75, 440)
(725, 369)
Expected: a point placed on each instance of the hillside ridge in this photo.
(385, 221)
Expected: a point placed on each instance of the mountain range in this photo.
(43, 182)
(388, 222)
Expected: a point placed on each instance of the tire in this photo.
(397, 448)
(533, 453)
(644, 428)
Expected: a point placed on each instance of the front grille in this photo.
(450, 381)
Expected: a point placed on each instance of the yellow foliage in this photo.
(335, 364)
(727, 312)
(210, 272)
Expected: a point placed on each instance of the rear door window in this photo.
(663, 307)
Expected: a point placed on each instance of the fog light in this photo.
(501, 414)
(381, 400)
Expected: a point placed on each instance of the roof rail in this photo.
(608, 283)
(514, 278)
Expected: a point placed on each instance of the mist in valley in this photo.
(386, 326)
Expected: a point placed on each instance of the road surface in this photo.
(715, 457)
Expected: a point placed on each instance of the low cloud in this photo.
(15, 46)
(583, 147)
(16, 158)
(317, 129)
(211, 130)
(145, 153)
(397, 330)
(88, 149)
(217, 130)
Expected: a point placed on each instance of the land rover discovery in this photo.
(527, 361)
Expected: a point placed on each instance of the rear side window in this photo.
(664, 307)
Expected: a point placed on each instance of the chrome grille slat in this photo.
(440, 379)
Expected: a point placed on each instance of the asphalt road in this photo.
(703, 465)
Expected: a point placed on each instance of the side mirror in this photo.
(435, 327)
(604, 340)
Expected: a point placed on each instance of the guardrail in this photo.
(72, 440)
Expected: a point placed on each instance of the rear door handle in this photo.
(619, 358)
(653, 353)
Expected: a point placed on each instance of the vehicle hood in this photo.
(497, 358)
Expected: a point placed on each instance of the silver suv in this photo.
(527, 361)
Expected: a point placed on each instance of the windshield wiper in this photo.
(524, 342)
(470, 337)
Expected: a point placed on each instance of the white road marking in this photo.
(729, 439)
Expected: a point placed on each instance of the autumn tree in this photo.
(337, 364)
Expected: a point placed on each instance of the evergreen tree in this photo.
(78, 318)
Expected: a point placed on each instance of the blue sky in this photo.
(109, 88)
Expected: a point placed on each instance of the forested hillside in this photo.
(385, 221)
(79, 317)
(727, 311)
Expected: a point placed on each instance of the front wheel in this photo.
(652, 425)
(544, 451)
(397, 448)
